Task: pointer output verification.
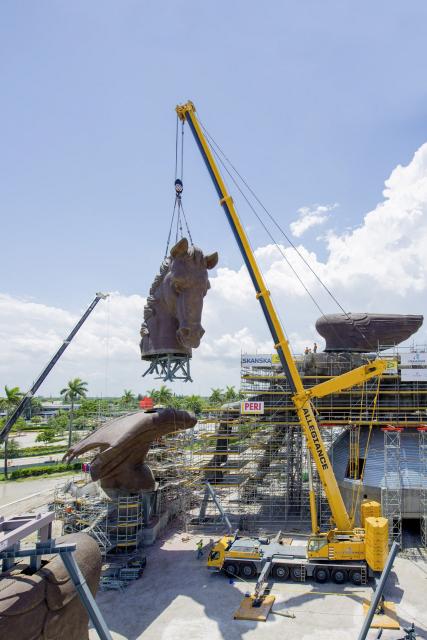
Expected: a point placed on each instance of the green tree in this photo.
(128, 398)
(194, 403)
(216, 397)
(13, 398)
(152, 393)
(12, 447)
(59, 422)
(75, 389)
(35, 408)
(230, 394)
(177, 402)
(162, 396)
(46, 436)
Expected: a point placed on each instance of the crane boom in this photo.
(20, 408)
(300, 397)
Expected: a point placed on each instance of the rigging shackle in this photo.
(179, 187)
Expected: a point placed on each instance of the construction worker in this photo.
(199, 549)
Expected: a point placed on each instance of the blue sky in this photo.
(315, 102)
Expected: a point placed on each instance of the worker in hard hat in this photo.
(199, 549)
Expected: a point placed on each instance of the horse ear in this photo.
(180, 249)
(212, 260)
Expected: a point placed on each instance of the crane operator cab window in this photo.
(315, 544)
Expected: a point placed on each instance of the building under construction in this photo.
(375, 434)
(256, 464)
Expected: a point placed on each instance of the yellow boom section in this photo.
(187, 113)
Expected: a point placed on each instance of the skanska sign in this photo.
(255, 360)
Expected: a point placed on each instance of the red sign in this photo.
(146, 403)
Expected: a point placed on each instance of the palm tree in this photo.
(13, 398)
(230, 394)
(217, 396)
(76, 389)
(194, 403)
(127, 398)
(164, 395)
(152, 393)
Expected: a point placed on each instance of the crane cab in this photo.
(337, 545)
(217, 553)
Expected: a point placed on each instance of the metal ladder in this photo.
(101, 538)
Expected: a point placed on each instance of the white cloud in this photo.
(310, 217)
(380, 266)
(105, 351)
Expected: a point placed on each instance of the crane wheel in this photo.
(339, 576)
(296, 574)
(247, 570)
(356, 576)
(231, 569)
(281, 572)
(321, 574)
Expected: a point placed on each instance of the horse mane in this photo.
(193, 253)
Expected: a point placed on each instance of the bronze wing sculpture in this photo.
(366, 331)
(123, 444)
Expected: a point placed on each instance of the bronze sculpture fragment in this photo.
(45, 605)
(366, 332)
(123, 444)
(172, 315)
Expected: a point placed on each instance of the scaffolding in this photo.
(116, 525)
(391, 492)
(422, 434)
(257, 464)
(124, 523)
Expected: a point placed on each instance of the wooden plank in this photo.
(387, 620)
(247, 611)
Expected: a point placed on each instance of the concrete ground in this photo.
(178, 598)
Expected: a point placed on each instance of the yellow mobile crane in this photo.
(343, 543)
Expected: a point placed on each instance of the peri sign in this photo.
(251, 407)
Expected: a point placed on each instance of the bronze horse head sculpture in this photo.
(173, 313)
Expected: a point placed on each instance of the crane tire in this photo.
(356, 576)
(296, 574)
(321, 574)
(247, 570)
(231, 569)
(281, 572)
(339, 576)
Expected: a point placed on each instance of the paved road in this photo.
(26, 495)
